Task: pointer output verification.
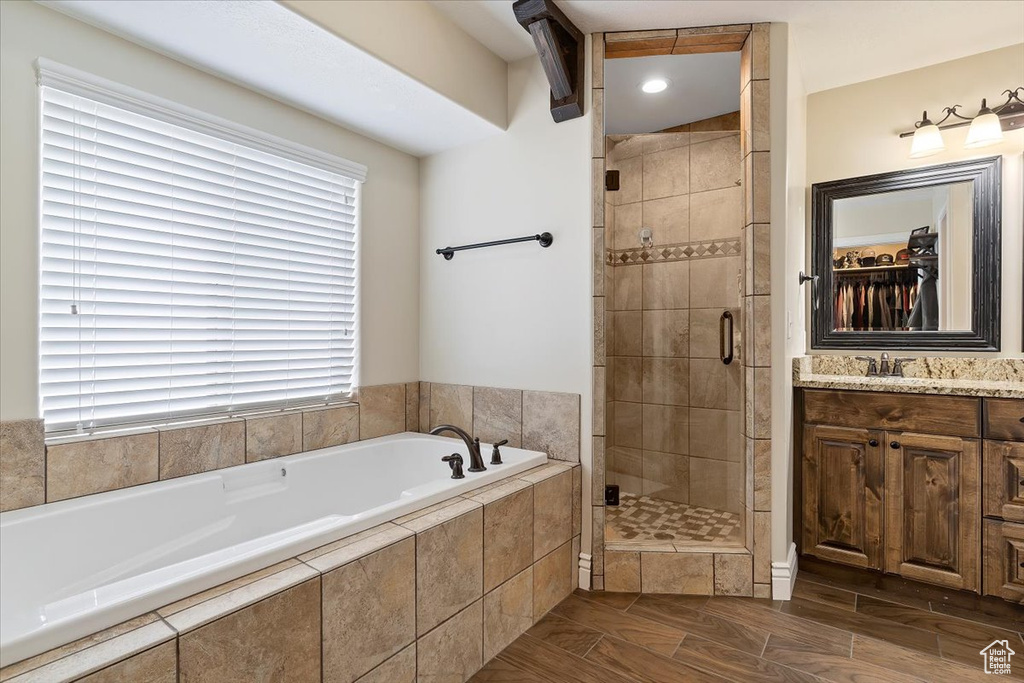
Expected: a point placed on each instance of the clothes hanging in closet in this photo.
(874, 301)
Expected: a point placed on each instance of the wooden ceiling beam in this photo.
(684, 41)
(560, 46)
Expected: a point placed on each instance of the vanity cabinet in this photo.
(1003, 499)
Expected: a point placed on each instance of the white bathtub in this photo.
(71, 568)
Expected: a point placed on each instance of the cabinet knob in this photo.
(894, 444)
(873, 442)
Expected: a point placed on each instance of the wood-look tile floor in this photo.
(828, 632)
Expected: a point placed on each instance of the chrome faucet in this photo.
(476, 461)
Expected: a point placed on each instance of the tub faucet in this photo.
(476, 461)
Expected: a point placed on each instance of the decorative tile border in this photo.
(684, 251)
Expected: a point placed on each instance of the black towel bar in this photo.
(544, 238)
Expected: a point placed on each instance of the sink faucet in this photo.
(882, 369)
(476, 462)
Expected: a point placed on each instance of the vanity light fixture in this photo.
(986, 126)
(654, 85)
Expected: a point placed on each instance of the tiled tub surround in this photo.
(674, 421)
(429, 596)
(115, 555)
(992, 377)
(34, 471)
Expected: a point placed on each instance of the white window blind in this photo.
(184, 273)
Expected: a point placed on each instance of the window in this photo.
(188, 266)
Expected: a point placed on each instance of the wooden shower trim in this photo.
(683, 41)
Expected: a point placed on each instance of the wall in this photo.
(852, 131)
(390, 201)
(514, 316)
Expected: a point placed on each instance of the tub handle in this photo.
(495, 453)
(455, 462)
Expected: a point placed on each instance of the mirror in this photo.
(909, 259)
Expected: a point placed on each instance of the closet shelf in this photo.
(871, 269)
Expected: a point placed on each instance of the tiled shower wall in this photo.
(34, 471)
(675, 426)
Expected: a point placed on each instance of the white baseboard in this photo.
(784, 576)
(585, 563)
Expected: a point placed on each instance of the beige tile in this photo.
(412, 406)
(597, 123)
(100, 652)
(745, 103)
(666, 381)
(424, 407)
(551, 580)
(666, 173)
(626, 378)
(626, 226)
(762, 403)
(156, 665)
(762, 276)
(597, 60)
(631, 172)
(596, 546)
(625, 468)
(369, 611)
(762, 547)
(83, 467)
(449, 568)
(600, 399)
(627, 424)
(600, 327)
(666, 333)
(666, 476)
(705, 331)
(748, 401)
(436, 514)
(508, 612)
(190, 450)
(399, 669)
(716, 214)
(326, 427)
(272, 436)
(382, 410)
(275, 639)
(498, 415)
(548, 470)
(715, 282)
(745, 74)
(596, 583)
(716, 434)
(451, 404)
(597, 474)
(762, 474)
(733, 575)
(762, 186)
(551, 424)
(22, 464)
(453, 651)
(760, 115)
(552, 513)
(759, 51)
(714, 384)
(668, 218)
(597, 264)
(659, 142)
(666, 428)
(351, 548)
(508, 536)
(628, 294)
(677, 573)
(666, 285)
(625, 146)
(762, 591)
(716, 484)
(716, 164)
(621, 572)
(597, 191)
(577, 500)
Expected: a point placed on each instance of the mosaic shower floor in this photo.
(639, 519)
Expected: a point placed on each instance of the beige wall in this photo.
(390, 203)
(418, 40)
(852, 131)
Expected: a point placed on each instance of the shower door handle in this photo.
(725, 340)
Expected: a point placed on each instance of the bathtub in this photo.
(72, 568)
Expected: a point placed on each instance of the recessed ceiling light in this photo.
(654, 85)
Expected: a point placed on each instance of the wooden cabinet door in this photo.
(842, 495)
(1004, 560)
(933, 509)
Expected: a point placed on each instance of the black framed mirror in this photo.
(909, 259)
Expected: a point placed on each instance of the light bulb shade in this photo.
(927, 141)
(985, 130)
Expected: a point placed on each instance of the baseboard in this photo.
(784, 576)
(585, 562)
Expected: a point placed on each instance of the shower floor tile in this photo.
(643, 519)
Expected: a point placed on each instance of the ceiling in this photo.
(700, 87)
(839, 41)
(268, 48)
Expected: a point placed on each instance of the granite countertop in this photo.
(996, 378)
